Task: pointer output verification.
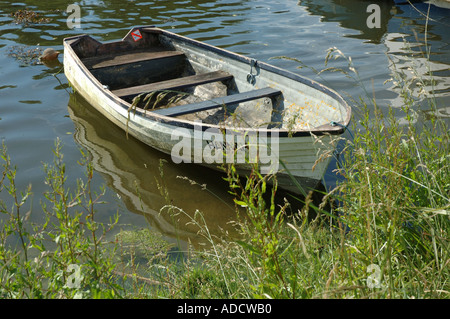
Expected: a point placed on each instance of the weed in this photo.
(28, 17)
(66, 256)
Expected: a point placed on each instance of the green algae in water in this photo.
(25, 55)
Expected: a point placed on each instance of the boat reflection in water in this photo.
(132, 170)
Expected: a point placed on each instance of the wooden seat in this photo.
(217, 102)
(103, 61)
(174, 84)
(136, 67)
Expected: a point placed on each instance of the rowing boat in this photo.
(205, 105)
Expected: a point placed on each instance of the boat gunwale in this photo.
(327, 129)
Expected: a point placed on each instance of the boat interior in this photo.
(153, 74)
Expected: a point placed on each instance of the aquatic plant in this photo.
(25, 55)
(25, 16)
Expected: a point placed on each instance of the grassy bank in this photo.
(384, 235)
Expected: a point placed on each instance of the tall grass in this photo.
(396, 196)
(387, 238)
(65, 256)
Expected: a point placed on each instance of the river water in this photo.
(36, 106)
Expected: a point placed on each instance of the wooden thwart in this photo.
(217, 102)
(174, 84)
(102, 62)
